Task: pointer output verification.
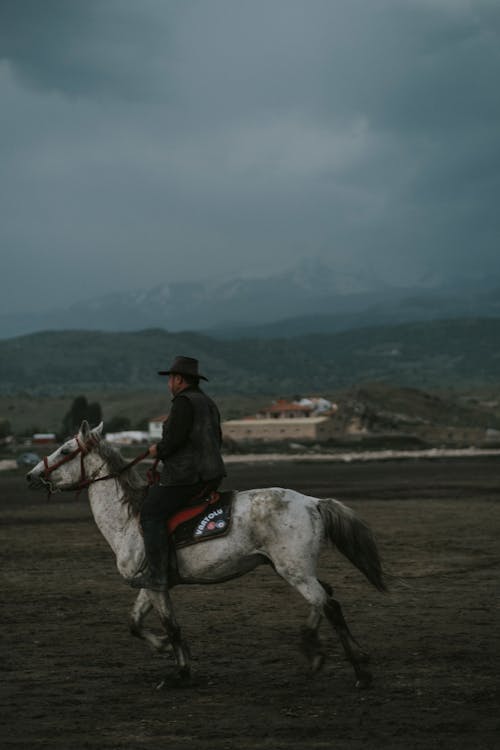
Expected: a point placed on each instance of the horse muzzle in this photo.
(33, 478)
(37, 478)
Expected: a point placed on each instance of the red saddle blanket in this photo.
(206, 520)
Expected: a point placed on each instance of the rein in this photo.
(85, 481)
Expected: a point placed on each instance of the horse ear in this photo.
(97, 431)
(84, 430)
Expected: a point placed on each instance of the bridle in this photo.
(83, 449)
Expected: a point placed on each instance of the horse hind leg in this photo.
(319, 595)
(353, 651)
(142, 607)
(313, 592)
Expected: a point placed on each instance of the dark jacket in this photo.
(190, 447)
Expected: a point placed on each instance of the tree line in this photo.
(81, 409)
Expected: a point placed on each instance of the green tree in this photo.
(5, 428)
(94, 413)
(79, 410)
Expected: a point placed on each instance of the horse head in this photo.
(64, 469)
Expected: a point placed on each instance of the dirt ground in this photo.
(74, 678)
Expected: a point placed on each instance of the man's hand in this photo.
(153, 451)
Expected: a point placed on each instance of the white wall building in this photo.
(310, 429)
(128, 437)
(156, 427)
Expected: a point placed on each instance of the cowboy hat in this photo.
(183, 366)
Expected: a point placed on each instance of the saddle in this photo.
(198, 523)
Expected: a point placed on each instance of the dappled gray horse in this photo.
(273, 526)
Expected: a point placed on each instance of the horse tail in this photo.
(352, 537)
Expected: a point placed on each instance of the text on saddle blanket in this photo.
(202, 522)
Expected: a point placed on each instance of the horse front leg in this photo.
(163, 605)
(142, 607)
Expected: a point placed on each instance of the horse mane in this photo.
(131, 482)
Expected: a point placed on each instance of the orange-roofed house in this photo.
(283, 409)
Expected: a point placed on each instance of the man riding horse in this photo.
(190, 449)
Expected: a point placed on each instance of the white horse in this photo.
(269, 526)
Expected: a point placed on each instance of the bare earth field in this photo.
(74, 678)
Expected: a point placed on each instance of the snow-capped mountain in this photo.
(309, 287)
(311, 297)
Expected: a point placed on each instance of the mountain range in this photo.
(311, 297)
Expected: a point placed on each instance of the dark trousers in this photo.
(162, 502)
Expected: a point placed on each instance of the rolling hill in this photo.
(433, 354)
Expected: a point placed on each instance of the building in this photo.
(283, 409)
(299, 408)
(128, 437)
(303, 429)
(301, 419)
(40, 438)
(156, 426)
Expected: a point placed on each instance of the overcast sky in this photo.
(160, 140)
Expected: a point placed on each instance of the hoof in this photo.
(364, 680)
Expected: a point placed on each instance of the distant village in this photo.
(307, 419)
(376, 415)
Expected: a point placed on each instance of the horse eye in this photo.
(65, 451)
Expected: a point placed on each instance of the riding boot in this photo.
(156, 549)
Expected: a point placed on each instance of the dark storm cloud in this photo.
(162, 140)
(85, 48)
